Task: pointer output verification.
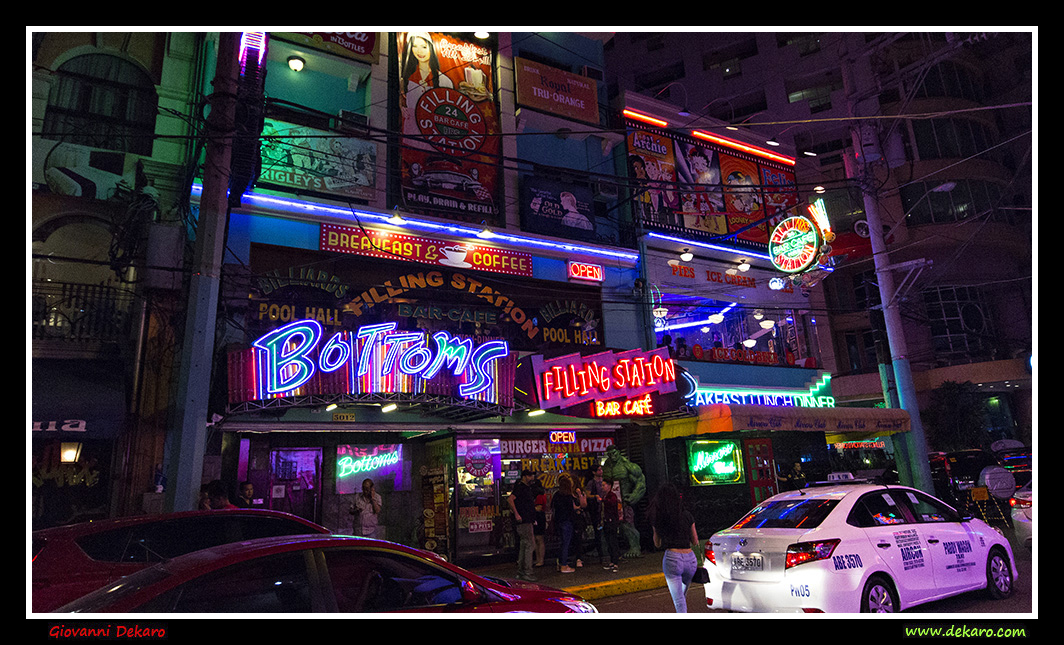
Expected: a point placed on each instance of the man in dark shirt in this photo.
(523, 506)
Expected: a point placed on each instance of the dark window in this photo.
(927, 509)
(877, 509)
(158, 541)
(270, 584)
(102, 101)
(377, 581)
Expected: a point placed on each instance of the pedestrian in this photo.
(245, 494)
(204, 499)
(523, 506)
(611, 523)
(539, 529)
(218, 496)
(367, 510)
(564, 505)
(674, 531)
(795, 478)
(594, 514)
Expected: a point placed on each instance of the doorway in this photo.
(295, 482)
(760, 469)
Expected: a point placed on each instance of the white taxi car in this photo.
(853, 547)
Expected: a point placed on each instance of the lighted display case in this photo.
(479, 468)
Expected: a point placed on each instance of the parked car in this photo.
(954, 474)
(1022, 503)
(70, 561)
(854, 547)
(1014, 457)
(321, 574)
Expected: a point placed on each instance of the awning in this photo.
(838, 424)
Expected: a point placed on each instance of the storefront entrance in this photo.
(295, 482)
(760, 469)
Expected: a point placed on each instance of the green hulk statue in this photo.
(633, 488)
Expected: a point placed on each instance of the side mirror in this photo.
(470, 592)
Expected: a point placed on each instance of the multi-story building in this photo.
(111, 122)
(943, 123)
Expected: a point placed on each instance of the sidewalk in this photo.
(591, 582)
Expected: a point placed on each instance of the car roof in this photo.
(95, 526)
(836, 490)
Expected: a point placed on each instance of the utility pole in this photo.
(865, 143)
(187, 440)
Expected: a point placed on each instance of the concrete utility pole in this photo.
(866, 145)
(187, 440)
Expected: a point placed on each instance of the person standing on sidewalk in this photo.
(611, 522)
(522, 503)
(563, 505)
(674, 531)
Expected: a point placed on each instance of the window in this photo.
(270, 584)
(961, 327)
(379, 581)
(926, 509)
(102, 101)
(818, 95)
(876, 509)
(789, 514)
(968, 198)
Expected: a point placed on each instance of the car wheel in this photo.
(879, 597)
(998, 575)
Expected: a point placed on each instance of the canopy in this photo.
(838, 424)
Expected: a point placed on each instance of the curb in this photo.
(620, 586)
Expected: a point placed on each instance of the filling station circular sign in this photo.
(794, 244)
(450, 121)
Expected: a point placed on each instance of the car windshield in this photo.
(102, 598)
(788, 514)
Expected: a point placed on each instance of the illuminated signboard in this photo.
(611, 384)
(715, 462)
(297, 359)
(794, 244)
(586, 271)
(356, 463)
(817, 396)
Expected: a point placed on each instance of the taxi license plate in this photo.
(747, 562)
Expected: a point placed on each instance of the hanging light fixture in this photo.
(389, 407)
(744, 266)
(296, 63)
(749, 342)
(687, 256)
(767, 324)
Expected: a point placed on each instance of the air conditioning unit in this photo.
(604, 189)
(353, 122)
(593, 73)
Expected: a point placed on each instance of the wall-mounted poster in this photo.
(781, 193)
(555, 208)
(310, 160)
(450, 122)
(702, 191)
(742, 197)
(652, 169)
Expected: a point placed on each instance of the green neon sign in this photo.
(348, 465)
(715, 462)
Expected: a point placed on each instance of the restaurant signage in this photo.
(794, 244)
(297, 359)
(395, 246)
(714, 462)
(604, 384)
(555, 91)
(359, 45)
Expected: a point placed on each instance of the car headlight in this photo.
(576, 605)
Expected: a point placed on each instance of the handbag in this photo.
(701, 576)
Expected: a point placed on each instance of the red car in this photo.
(70, 561)
(321, 574)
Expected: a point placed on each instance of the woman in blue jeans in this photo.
(564, 504)
(674, 531)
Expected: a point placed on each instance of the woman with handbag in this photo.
(674, 531)
(564, 505)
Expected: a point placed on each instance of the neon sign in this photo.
(375, 358)
(641, 407)
(794, 244)
(348, 465)
(714, 462)
(572, 379)
(817, 396)
(585, 271)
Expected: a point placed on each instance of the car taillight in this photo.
(803, 552)
(709, 554)
(1015, 502)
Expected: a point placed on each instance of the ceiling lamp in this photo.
(396, 219)
(749, 342)
(716, 319)
(687, 256)
(485, 234)
(295, 63)
(745, 266)
(536, 413)
(767, 324)
(389, 407)
(480, 34)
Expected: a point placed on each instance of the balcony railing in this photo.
(80, 313)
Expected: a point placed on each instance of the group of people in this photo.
(576, 514)
(599, 506)
(215, 496)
